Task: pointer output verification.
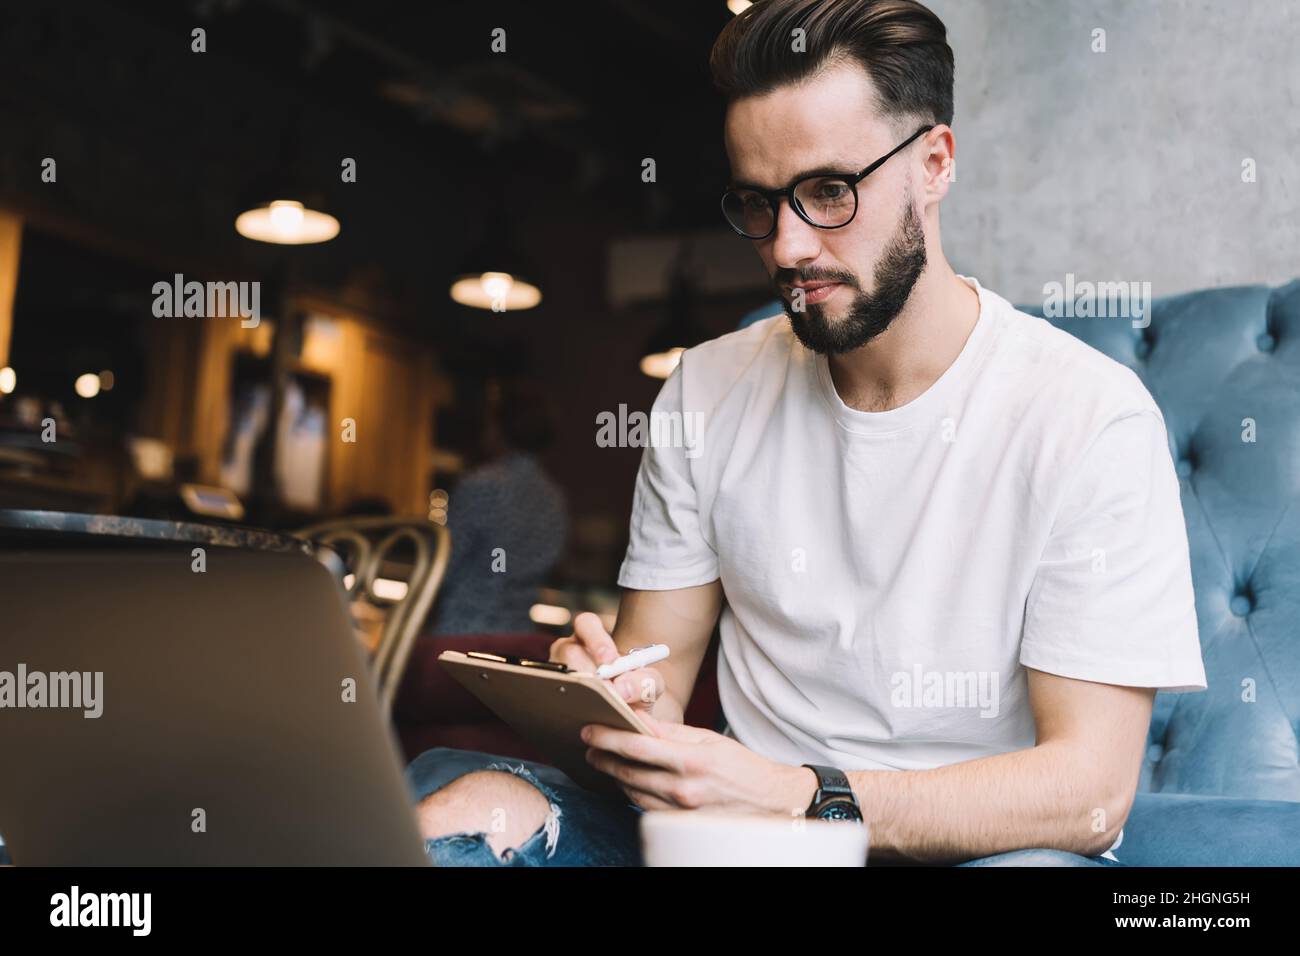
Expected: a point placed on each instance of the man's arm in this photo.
(1071, 791)
(683, 619)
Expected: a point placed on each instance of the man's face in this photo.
(855, 279)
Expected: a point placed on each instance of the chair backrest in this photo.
(366, 546)
(1224, 366)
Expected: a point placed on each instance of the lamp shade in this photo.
(285, 213)
(286, 222)
(495, 275)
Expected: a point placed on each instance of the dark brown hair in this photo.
(900, 43)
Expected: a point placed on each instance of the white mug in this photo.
(706, 838)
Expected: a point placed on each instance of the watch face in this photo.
(840, 810)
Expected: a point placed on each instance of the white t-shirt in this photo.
(890, 575)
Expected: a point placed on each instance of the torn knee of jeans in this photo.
(551, 825)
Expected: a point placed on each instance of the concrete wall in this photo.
(1127, 164)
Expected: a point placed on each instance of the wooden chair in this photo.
(365, 544)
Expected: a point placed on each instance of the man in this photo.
(948, 535)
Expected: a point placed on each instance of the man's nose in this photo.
(793, 241)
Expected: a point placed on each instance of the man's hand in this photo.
(692, 768)
(590, 646)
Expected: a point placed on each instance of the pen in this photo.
(638, 657)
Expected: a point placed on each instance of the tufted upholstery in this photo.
(1213, 360)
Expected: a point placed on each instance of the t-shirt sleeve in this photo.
(666, 545)
(1111, 600)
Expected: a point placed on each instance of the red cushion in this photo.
(430, 695)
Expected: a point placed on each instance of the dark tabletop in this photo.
(35, 523)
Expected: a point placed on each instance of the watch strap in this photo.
(832, 783)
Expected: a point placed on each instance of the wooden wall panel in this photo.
(387, 384)
(395, 411)
(11, 240)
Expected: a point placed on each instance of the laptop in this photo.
(155, 714)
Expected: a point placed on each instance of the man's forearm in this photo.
(1040, 797)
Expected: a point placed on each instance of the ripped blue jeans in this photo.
(583, 828)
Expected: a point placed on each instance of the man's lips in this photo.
(813, 292)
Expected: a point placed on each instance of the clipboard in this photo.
(548, 707)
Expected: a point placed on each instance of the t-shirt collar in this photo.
(922, 408)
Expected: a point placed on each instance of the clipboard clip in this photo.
(520, 661)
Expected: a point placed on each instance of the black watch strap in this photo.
(832, 787)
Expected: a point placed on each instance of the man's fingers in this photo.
(636, 748)
(588, 629)
(570, 652)
(649, 778)
(640, 687)
(645, 799)
(671, 730)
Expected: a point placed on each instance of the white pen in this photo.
(639, 657)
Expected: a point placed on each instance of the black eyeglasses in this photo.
(827, 201)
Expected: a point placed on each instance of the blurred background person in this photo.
(508, 521)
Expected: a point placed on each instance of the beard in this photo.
(869, 314)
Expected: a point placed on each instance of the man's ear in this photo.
(940, 161)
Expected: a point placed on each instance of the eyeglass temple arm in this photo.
(774, 194)
(881, 161)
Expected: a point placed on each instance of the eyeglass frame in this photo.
(773, 196)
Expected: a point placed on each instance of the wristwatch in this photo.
(834, 799)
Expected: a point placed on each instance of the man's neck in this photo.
(902, 362)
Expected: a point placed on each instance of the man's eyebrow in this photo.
(832, 169)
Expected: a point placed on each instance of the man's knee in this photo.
(500, 804)
(439, 766)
